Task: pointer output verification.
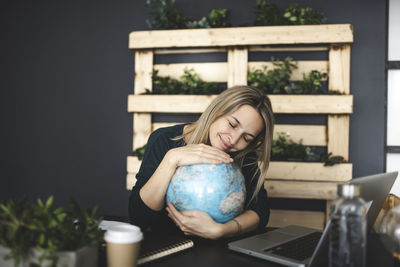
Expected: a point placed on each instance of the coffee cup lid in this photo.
(123, 234)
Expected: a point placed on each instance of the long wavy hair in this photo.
(227, 102)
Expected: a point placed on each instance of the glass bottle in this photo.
(348, 233)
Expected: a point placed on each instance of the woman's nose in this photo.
(235, 136)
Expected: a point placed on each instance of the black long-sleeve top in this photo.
(158, 145)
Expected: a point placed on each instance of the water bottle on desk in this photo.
(348, 233)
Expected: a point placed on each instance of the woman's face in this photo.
(235, 131)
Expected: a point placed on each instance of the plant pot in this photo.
(83, 257)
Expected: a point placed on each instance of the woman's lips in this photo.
(225, 146)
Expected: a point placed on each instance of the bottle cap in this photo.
(348, 190)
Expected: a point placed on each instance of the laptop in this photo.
(302, 246)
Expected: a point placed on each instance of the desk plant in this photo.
(25, 226)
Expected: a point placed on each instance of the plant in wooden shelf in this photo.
(268, 14)
(277, 80)
(166, 16)
(274, 81)
(36, 234)
(284, 149)
(190, 84)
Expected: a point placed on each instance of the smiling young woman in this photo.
(236, 127)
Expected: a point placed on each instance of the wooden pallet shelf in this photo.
(284, 179)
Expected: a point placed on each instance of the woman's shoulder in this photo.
(166, 133)
(169, 132)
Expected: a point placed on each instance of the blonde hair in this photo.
(227, 102)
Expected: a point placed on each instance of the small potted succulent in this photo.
(36, 234)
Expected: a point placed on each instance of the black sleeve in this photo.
(139, 213)
(259, 204)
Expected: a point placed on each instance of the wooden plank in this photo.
(169, 103)
(169, 51)
(209, 72)
(259, 35)
(281, 218)
(338, 135)
(141, 129)
(303, 66)
(309, 171)
(339, 68)
(312, 104)
(296, 104)
(143, 70)
(237, 66)
(130, 180)
(329, 209)
(287, 48)
(309, 135)
(299, 189)
(166, 51)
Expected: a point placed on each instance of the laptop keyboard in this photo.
(300, 248)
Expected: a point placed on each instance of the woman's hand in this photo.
(197, 153)
(195, 222)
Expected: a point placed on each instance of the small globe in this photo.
(218, 190)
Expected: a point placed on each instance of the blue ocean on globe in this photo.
(217, 189)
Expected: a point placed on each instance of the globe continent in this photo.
(218, 190)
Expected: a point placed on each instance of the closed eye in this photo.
(247, 140)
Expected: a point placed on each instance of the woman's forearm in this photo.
(153, 192)
(245, 222)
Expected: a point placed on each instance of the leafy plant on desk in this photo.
(190, 83)
(25, 225)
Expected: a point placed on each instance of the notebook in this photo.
(155, 245)
(302, 246)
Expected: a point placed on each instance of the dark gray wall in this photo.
(66, 72)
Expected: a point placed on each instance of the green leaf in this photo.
(49, 202)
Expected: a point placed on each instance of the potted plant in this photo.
(36, 234)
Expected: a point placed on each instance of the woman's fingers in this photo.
(178, 218)
(200, 153)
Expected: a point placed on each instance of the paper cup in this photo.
(123, 244)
